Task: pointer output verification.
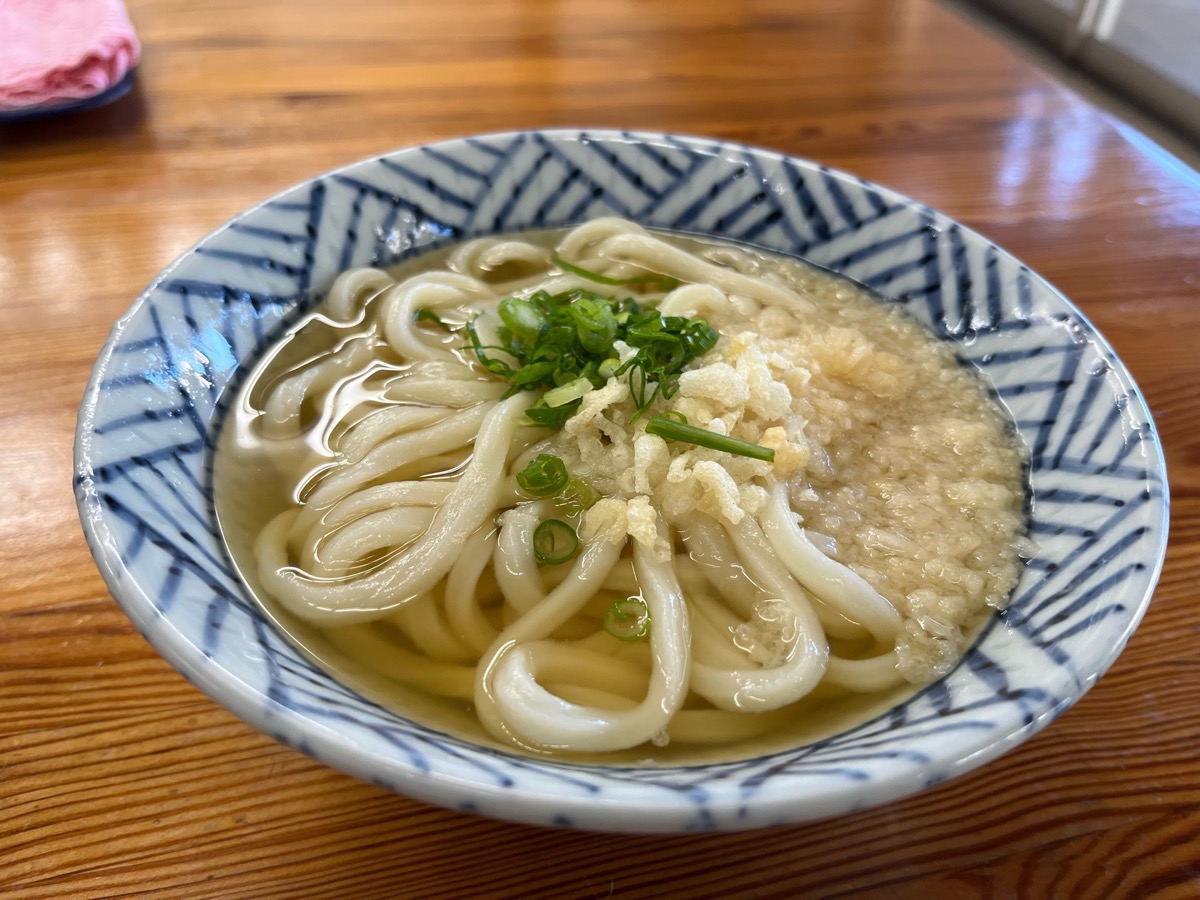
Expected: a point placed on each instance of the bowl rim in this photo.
(612, 812)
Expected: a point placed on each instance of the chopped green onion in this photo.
(555, 341)
(545, 476)
(596, 323)
(572, 390)
(628, 619)
(577, 496)
(424, 314)
(554, 542)
(523, 318)
(490, 363)
(670, 430)
(664, 282)
(534, 373)
(675, 416)
(553, 418)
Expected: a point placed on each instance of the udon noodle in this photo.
(368, 486)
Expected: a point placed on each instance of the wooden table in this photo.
(117, 777)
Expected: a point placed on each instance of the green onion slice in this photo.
(522, 317)
(545, 476)
(670, 430)
(596, 324)
(425, 314)
(577, 496)
(664, 282)
(554, 542)
(628, 619)
(608, 368)
(564, 394)
(552, 417)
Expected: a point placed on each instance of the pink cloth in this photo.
(58, 51)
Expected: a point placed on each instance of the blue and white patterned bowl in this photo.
(143, 473)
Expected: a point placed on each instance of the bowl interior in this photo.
(147, 427)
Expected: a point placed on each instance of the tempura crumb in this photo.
(890, 449)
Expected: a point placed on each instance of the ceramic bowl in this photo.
(144, 444)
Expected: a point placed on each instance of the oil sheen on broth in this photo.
(718, 605)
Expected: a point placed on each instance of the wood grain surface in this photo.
(118, 778)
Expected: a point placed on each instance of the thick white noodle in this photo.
(713, 627)
(462, 601)
(422, 621)
(315, 523)
(875, 673)
(281, 414)
(337, 553)
(830, 581)
(351, 292)
(516, 565)
(455, 393)
(710, 552)
(371, 650)
(482, 257)
(754, 689)
(658, 256)
(435, 290)
(271, 545)
(591, 567)
(532, 714)
(742, 591)
(427, 560)
(840, 589)
(381, 496)
(570, 666)
(449, 434)
(580, 243)
(695, 300)
(371, 430)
